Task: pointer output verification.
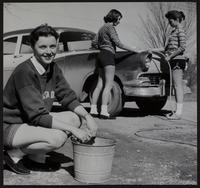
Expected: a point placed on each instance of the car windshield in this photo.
(75, 41)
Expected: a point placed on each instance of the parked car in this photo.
(134, 79)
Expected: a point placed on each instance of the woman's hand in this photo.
(150, 51)
(91, 124)
(81, 134)
(186, 66)
(167, 58)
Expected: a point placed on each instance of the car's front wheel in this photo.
(151, 104)
(116, 99)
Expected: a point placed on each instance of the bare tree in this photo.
(155, 27)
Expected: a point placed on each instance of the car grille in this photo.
(153, 78)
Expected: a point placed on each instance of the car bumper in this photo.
(135, 90)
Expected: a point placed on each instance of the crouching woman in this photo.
(30, 129)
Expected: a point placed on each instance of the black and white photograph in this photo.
(99, 93)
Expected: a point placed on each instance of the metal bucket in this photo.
(93, 163)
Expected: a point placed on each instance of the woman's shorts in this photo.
(9, 131)
(105, 58)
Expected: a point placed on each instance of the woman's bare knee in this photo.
(99, 86)
(40, 138)
(57, 139)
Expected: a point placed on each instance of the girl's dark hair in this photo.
(175, 14)
(112, 16)
(42, 30)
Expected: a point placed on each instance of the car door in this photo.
(9, 51)
(16, 49)
(24, 50)
(79, 59)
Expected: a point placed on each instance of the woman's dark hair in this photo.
(175, 14)
(112, 16)
(42, 30)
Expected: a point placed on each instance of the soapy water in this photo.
(94, 141)
(91, 141)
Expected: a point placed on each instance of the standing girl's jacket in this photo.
(107, 38)
(176, 43)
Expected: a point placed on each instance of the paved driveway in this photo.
(149, 150)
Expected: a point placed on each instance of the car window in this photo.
(72, 40)
(25, 47)
(9, 46)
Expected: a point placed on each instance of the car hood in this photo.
(132, 61)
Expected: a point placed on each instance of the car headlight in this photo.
(148, 60)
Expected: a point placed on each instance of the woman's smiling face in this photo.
(45, 49)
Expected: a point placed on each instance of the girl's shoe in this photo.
(18, 167)
(94, 115)
(173, 116)
(101, 116)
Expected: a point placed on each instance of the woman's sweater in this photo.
(28, 96)
(176, 43)
(107, 38)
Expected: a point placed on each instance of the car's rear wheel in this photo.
(116, 99)
(151, 104)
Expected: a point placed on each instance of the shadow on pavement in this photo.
(134, 112)
(70, 170)
(126, 112)
(59, 157)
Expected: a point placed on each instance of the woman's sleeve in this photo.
(182, 41)
(30, 100)
(114, 37)
(181, 44)
(95, 42)
(64, 94)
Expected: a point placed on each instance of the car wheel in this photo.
(116, 99)
(151, 104)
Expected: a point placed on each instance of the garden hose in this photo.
(170, 86)
(170, 77)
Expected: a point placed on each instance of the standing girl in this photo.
(174, 52)
(106, 40)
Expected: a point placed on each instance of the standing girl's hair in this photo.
(175, 14)
(112, 16)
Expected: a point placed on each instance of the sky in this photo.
(79, 15)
